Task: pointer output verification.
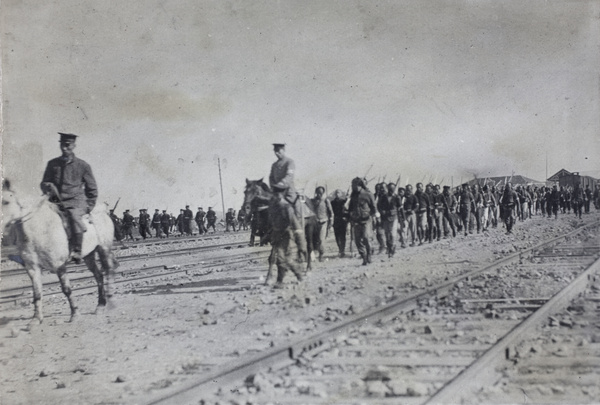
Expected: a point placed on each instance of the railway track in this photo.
(72, 268)
(439, 345)
(87, 284)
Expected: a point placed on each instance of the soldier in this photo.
(578, 200)
(467, 205)
(69, 181)
(388, 206)
(128, 224)
(587, 194)
(448, 209)
(340, 221)
(597, 197)
(211, 219)
(379, 232)
(200, 216)
(361, 210)
(188, 217)
(165, 223)
(489, 202)
(144, 222)
(510, 203)
(422, 212)
(116, 224)
(556, 197)
(324, 213)
(401, 218)
(156, 224)
(241, 218)
(230, 220)
(411, 205)
(180, 222)
(282, 172)
(284, 223)
(438, 211)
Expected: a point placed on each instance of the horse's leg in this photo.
(109, 264)
(272, 259)
(65, 286)
(90, 261)
(35, 274)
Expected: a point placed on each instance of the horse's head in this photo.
(11, 209)
(255, 190)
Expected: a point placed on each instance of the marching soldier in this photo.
(361, 210)
(200, 216)
(165, 223)
(69, 181)
(388, 206)
(467, 205)
(230, 220)
(144, 222)
(128, 224)
(510, 203)
(156, 224)
(211, 219)
(188, 217)
(340, 221)
(116, 224)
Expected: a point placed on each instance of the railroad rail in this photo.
(73, 268)
(87, 284)
(438, 351)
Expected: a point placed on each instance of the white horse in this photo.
(43, 244)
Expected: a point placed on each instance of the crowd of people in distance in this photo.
(166, 224)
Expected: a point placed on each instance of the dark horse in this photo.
(257, 197)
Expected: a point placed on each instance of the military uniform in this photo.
(200, 216)
(340, 223)
(188, 217)
(467, 205)
(211, 219)
(230, 220)
(70, 181)
(165, 223)
(128, 224)
(156, 224)
(388, 206)
(361, 210)
(510, 204)
(284, 223)
(144, 222)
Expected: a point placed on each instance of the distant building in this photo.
(500, 181)
(565, 178)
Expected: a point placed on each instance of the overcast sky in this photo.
(430, 90)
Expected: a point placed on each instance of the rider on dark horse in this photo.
(282, 173)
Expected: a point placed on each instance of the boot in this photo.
(76, 243)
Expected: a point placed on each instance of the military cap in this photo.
(277, 146)
(164, 210)
(446, 187)
(156, 209)
(67, 138)
(209, 207)
(187, 206)
(465, 184)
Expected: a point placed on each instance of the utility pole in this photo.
(546, 179)
(221, 183)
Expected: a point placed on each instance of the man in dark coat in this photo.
(188, 217)
(230, 220)
(388, 205)
(200, 217)
(69, 181)
(128, 224)
(340, 221)
(467, 205)
(361, 210)
(156, 224)
(165, 223)
(144, 222)
(511, 206)
(211, 219)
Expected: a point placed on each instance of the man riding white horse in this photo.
(69, 181)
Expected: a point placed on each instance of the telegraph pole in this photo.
(221, 183)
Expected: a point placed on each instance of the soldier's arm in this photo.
(91, 189)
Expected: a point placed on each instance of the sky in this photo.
(160, 90)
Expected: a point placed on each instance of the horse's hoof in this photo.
(74, 317)
(33, 324)
(100, 309)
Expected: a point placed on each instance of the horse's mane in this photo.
(261, 183)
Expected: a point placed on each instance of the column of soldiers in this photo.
(163, 224)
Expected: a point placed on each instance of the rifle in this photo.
(117, 203)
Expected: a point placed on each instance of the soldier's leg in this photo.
(74, 215)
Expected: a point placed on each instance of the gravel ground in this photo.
(155, 337)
